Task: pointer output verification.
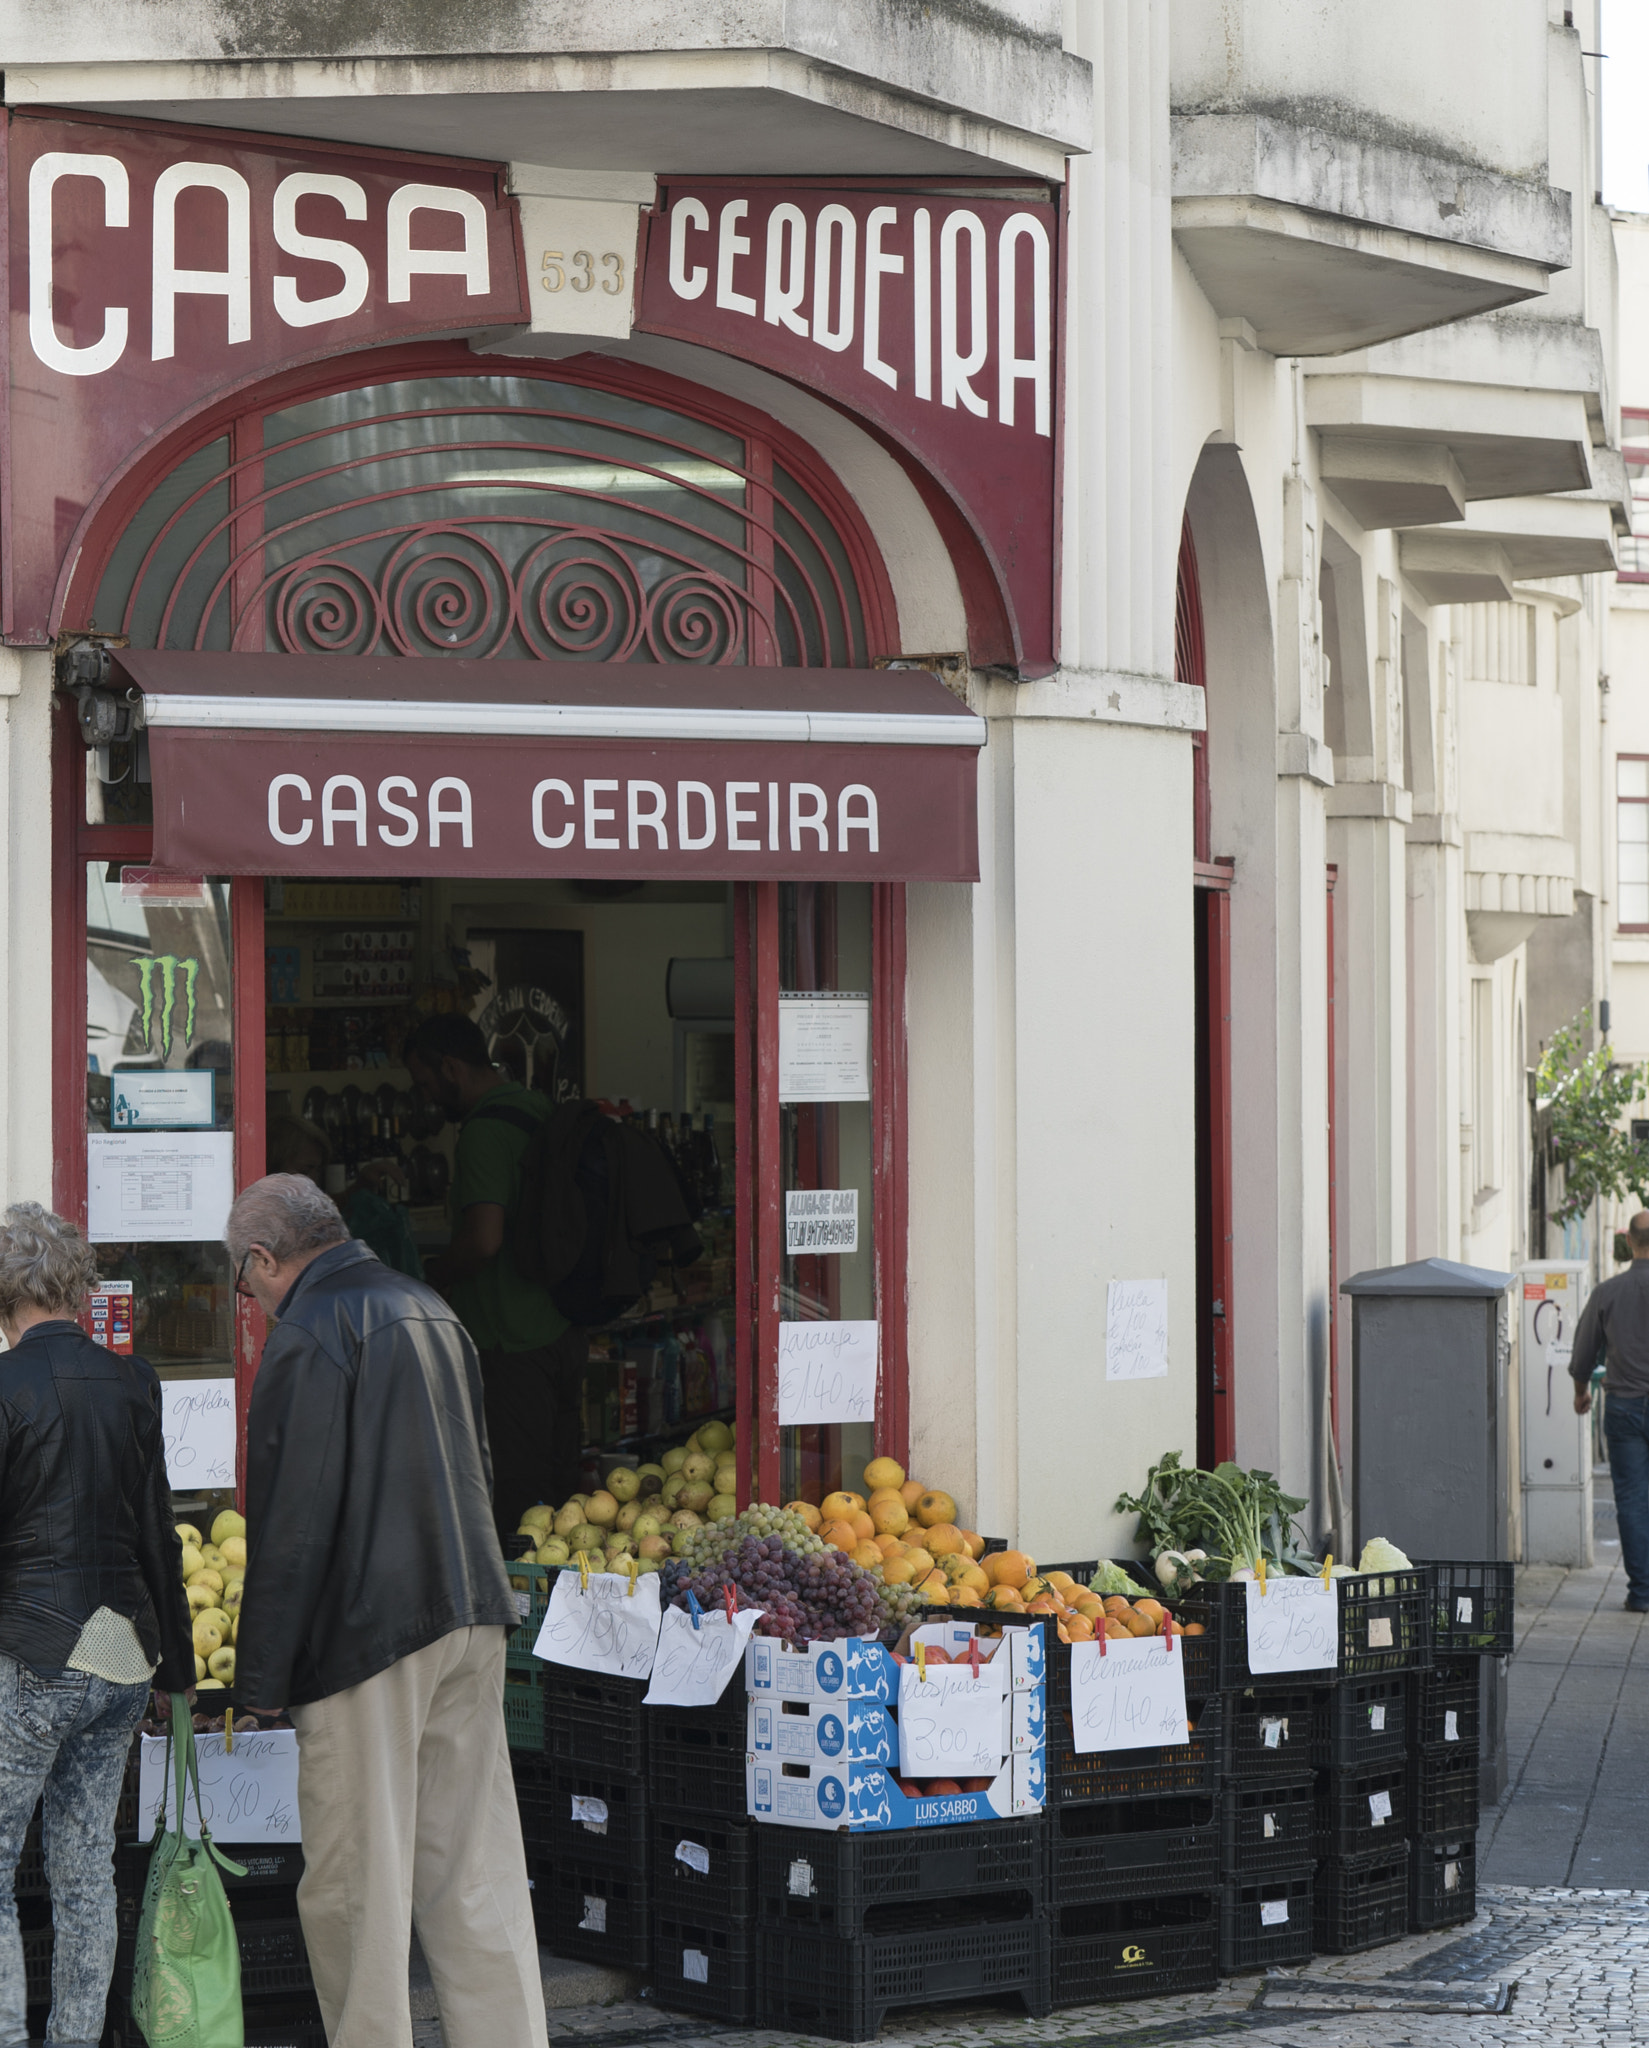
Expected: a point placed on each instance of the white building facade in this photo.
(1210, 405)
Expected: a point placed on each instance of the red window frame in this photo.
(1642, 801)
(756, 970)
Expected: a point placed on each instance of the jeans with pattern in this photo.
(64, 1734)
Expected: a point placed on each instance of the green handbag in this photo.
(186, 1976)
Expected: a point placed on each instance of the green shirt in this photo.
(501, 1310)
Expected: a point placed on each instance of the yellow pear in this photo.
(211, 1685)
(188, 1533)
(232, 1595)
(211, 1555)
(208, 1636)
(221, 1664)
(193, 1561)
(234, 1552)
(234, 1626)
(217, 1617)
(228, 1524)
(206, 1577)
(199, 1598)
(200, 1666)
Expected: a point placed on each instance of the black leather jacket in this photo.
(85, 1514)
(368, 1485)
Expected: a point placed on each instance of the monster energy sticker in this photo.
(163, 976)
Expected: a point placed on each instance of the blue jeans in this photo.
(66, 1735)
(1626, 1432)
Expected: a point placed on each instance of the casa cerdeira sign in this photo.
(152, 267)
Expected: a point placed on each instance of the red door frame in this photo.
(1332, 877)
(1215, 1335)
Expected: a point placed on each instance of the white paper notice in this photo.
(605, 1627)
(1379, 1808)
(951, 1724)
(248, 1794)
(821, 1221)
(1130, 1697)
(1273, 1912)
(692, 1665)
(197, 1420)
(1294, 1625)
(827, 1373)
(824, 1048)
(1451, 1725)
(158, 1187)
(1136, 1330)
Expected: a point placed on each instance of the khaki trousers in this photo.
(408, 1810)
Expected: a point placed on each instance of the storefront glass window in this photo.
(159, 1062)
(826, 1152)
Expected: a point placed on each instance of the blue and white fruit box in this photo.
(821, 1731)
(867, 1798)
(854, 1668)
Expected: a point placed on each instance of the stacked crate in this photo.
(1268, 1839)
(703, 1937)
(1364, 1793)
(585, 1808)
(1471, 1623)
(1134, 1846)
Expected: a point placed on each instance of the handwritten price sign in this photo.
(248, 1794)
(197, 1420)
(1131, 1697)
(693, 1665)
(605, 1627)
(951, 1724)
(1294, 1625)
(827, 1372)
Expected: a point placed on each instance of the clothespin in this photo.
(732, 1600)
(583, 1564)
(228, 1731)
(1101, 1637)
(1259, 1573)
(633, 1566)
(921, 1650)
(1168, 1635)
(694, 1609)
(973, 1654)
(1328, 1568)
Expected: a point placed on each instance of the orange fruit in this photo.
(862, 1525)
(944, 1539)
(808, 1512)
(1138, 1624)
(1008, 1568)
(1062, 1580)
(898, 1571)
(1062, 1632)
(1115, 1604)
(884, 1472)
(922, 1559)
(934, 1591)
(1079, 1629)
(866, 1554)
(836, 1507)
(1044, 1603)
(1118, 1631)
(1089, 1604)
(1152, 1609)
(934, 1508)
(888, 1514)
(911, 1492)
(1005, 1598)
(1194, 1628)
(971, 1575)
(889, 1546)
(975, 1543)
(965, 1596)
(840, 1535)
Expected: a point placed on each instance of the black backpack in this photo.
(599, 1203)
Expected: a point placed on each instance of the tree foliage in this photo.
(1586, 1095)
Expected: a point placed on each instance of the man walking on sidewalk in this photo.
(1615, 1325)
(375, 1610)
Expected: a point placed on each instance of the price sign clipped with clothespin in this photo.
(698, 1653)
(1127, 1695)
(1293, 1624)
(602, 1621)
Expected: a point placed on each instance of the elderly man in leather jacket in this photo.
(375, 1611)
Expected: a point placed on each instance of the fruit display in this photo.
(807, 1590)
(214, 1576)
(643, 1511)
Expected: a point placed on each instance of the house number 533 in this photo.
(583, 263)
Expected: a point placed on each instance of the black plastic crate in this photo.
(594, 1915)
(531, 1586)
(843, 1987)
(524, 1711)
(1361, 1812)
(1363, 1721)
(274, 1964)
(1267, 1827)
(848, 1884)
(1442, 1881)
(37, 1966)
(1473, 1610)
(695, 1755)
(594, 1720)
(1447, 1798)
(1140, 1848)
(1183, 1767)
(1265, 1921)
(1361, 1902)
(1270, 1732)
(535, 1801)
(1201, 1652)
(268, 1867)
(1141, 1947)
(1385, 1622)
(1452, 1687)
(704, 1969)
(704, 1869)
(31, 1863)
(598, 1820)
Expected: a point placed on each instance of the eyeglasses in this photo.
(241, 1287)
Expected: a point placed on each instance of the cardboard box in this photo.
(1023, 1648)
(855, 1668)
(822, 1731)
(865, 1798)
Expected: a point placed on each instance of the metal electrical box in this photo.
(1430, 1453)
(1557, 1443)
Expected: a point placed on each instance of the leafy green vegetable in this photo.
(1111, 1578)
(1238, 1516)
(1381, 1556)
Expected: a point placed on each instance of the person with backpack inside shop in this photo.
(532, 1356)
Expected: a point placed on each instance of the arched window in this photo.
(457, 511)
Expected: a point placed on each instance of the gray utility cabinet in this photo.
(1429, 1358)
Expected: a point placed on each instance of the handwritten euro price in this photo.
(827, 1372)
(1132, 1697)
(950, 1722)
(1293, 1625)
(601, 1625)
(692, 1665)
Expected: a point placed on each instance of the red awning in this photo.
(346, 765)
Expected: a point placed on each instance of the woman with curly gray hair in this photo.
(91, 1600)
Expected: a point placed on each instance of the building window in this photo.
(1632, 841)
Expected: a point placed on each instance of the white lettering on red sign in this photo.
(842, 273)
(404, 258)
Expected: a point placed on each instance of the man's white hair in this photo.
(287, 1214)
